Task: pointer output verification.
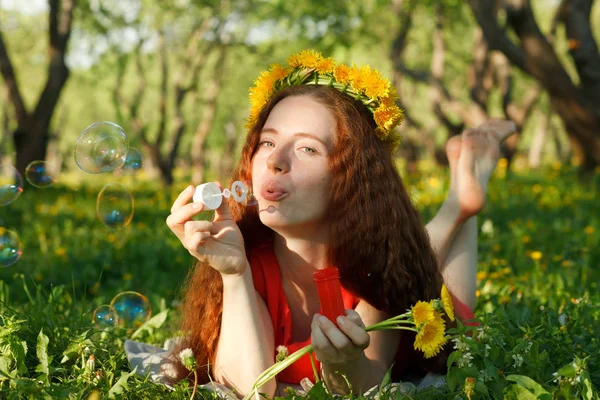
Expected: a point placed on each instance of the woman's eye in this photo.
(309, 150)
(266, 143)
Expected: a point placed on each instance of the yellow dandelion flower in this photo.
(305, 58)
(502, 163)
(536, 255)
(422, 312)
(278, 72)
(374, 85)
(356, 79)
(430, 338)
(60, 252)
(589, 230)
(387, 118)
(341, 73)
(447, 303)
(325, 66)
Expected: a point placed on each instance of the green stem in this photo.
(314, 367)
(195, 384)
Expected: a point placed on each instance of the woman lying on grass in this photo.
(319, 154)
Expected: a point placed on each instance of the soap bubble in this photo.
(133, 161)
(11, 184)
(39, 174)
(251, 199)
(133, 309)
(114, 206)
(105, 316)
(10, 247)
(101, 147)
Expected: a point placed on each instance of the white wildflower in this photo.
(465, 361)
(187, 359)
(481, 334)
(518, 360)
(562, 319)
(488, 227)
(90, 365)
(487, 350)
(527, 349)
(282, 353)
(460, 345)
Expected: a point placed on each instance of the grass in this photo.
(538, 294)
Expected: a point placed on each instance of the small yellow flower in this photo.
(423, 312)
(430, 338)
(325, 66)
(375, 86)
(536, 255)
(306, 58)
(387, 118)
(567, 264)
(537, 188)
(502, 163)
(60, 252)
(127, 276)
(477, 293)
(341, 73)
(447, 303)
(589, 230)
(526, 239)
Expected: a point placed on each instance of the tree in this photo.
(578, 105)
(31, 135)
(485, 71)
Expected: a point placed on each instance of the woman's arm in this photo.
(246, 343)
(372, 364)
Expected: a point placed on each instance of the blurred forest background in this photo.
(175, 73)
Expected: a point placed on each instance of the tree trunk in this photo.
(32, 134)
(578, 106)
(536, 149)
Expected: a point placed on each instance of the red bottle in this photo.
(330, 293)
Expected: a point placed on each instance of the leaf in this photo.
(155, 322)
(588, 389)
(41, 351)
(452, 358)
(121, 385)
(529, 384)
(386, 380)
(516, 391)
(568, 371)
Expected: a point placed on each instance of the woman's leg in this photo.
(453, 231)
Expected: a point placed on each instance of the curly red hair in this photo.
(377, 238)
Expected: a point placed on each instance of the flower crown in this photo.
(309, 67)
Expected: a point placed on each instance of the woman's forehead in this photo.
(301, 114)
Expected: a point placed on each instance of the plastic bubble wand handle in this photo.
(211, 196)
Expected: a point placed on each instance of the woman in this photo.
(319, 155)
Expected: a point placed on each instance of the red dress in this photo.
(267, 282)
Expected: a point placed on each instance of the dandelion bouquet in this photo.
(424, 318)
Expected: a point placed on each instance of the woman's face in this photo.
(290, 169)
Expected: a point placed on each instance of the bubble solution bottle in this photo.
(330, 293)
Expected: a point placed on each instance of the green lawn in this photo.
(538, 290)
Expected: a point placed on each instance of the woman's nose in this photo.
(278, 161)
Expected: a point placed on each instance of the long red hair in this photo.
(377, 238)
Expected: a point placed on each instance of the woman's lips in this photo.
(272, 195)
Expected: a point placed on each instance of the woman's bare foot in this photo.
(472, 157)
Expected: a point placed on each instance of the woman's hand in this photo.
(333, 345)
(218, 242)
